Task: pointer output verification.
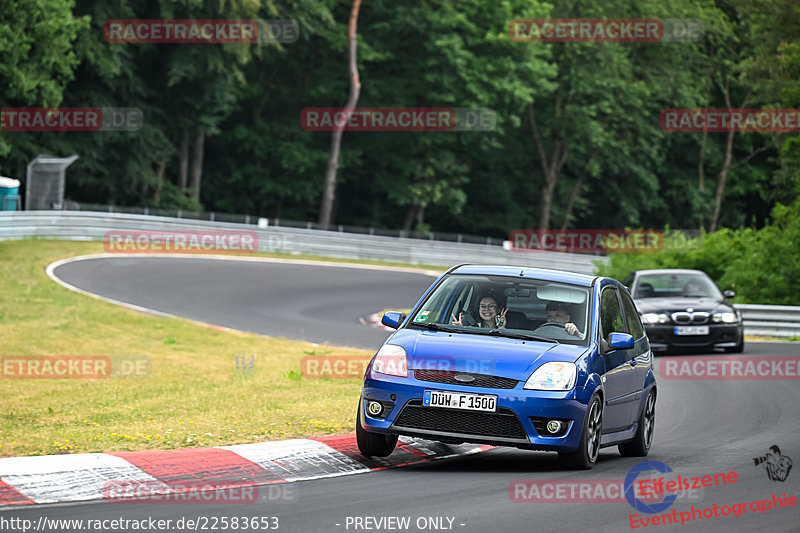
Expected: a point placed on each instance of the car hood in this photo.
(670, 305)
(480, 354)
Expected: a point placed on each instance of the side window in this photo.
(610, 314)
(634, 322)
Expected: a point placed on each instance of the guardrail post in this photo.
(211, 216)
(180, 213)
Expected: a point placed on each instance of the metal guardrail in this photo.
(70, 205)
(92, 226)
(772, 320)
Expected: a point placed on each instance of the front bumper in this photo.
(662, 337)
(513, 424)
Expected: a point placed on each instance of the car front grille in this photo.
(504, 423)
(684, 317)
(478, 380)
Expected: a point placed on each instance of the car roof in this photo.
(522, 272)
(671, 271)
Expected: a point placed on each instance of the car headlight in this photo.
(655, 318)
(727, 318)
(391, 360)
(553, 376)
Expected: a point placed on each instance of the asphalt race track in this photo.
(702, 427)
(319, 304)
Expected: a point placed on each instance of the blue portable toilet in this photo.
(9, 194)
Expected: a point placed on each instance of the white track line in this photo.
(52, 266)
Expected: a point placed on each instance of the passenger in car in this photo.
(558, 312)
(491, 313)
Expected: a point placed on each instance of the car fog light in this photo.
(374, 408)
(553, 426)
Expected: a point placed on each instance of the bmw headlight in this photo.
(655, 318)
(727, 318)
(553, 376)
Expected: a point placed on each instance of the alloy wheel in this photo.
(593, 430)
(649, 419)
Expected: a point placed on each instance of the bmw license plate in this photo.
(458, 400)
(691, 330)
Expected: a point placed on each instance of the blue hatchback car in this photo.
(514, 356)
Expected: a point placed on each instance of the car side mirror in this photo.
(729, 294)
(393, 319)
(620, 341)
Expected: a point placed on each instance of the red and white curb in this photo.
(82, 477)
(373, 321)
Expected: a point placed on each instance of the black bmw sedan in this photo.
(684, 310)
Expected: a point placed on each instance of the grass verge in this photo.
(193, 396)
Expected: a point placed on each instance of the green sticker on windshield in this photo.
(422, 317)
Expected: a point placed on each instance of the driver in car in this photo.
(692, 288)
(558, 312)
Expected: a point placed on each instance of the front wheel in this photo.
(640, 445)
(589, 447)
(373, 444)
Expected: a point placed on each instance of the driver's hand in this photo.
(571, 328)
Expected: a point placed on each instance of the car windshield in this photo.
(672, 285)
(533, 309)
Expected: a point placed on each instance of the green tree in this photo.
(37, 58)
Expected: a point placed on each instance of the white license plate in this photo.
(458, 400)
(691, 330)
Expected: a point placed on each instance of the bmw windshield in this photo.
(674, 285)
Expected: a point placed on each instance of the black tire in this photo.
(589, 447)
(640, 445)
(373, 444)
(739, 348)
